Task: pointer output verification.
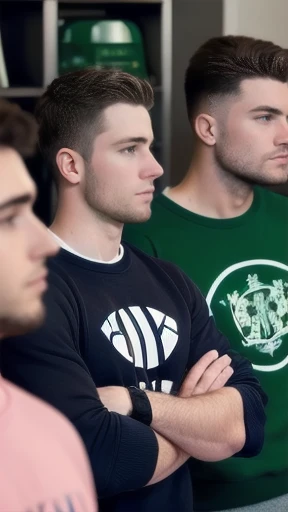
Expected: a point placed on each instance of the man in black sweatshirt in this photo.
(134, 327)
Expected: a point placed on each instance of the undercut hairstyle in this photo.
(70, 112)
(219, 66)
(18, 129)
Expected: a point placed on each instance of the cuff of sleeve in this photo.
(136, 458)
(254, 419)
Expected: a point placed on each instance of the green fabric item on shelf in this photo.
(105, 43)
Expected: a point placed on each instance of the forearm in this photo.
(209, 427)
(170, 458)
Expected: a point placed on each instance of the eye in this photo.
(9, 221)
(129, 151)
(266, 118)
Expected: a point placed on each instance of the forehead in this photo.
(263, 91)
(14, 178)
(127, 120)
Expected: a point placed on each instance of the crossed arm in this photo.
(219, 411)
(209, 427)
(208, 375)
(206, 420)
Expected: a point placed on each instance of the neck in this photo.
(86, 231)
(212, 192)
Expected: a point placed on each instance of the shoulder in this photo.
(49, 432)
(168, 271)
(59, 277)
(45, 418)
(62, 290)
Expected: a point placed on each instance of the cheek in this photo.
(242, 134)
(257, 135)
(11, 279)
(14, 261)
(111, 172)
(244, 141)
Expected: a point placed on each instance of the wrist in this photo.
(141, 407)
(128, 407)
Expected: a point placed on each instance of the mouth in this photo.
(148, 192)
(40, 281)
(282, 158)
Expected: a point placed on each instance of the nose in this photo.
(282, 134)
(158, 169)
(152, 170)
(43, 244)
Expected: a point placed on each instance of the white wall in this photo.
(266, 19)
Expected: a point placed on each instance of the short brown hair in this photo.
(219, 66)
(70, 112)
(18, 129)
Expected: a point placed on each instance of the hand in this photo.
(116, 399)
(208, 374)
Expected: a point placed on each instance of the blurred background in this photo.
(153, 39)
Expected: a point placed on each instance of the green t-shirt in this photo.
(241, 266)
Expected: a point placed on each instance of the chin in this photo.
(274, 179)
(24, 323)
(144, 218)
(136, 216)
(138, 219)
(277, 175)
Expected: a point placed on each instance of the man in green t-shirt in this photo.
(231, 237)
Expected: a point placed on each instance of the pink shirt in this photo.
(43, 465)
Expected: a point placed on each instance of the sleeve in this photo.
(134, 235)
(123, 452)
(204, 337)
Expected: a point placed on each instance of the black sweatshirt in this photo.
(138, 322)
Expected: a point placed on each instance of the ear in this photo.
(205, 128)
(70, 165)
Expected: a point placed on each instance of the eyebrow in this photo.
(134, 140)
(15, 201)
(270, 110)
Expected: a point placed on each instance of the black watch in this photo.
(141, 408)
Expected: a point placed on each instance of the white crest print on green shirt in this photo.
(251, 297)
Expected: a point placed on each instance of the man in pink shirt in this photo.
(43, 465)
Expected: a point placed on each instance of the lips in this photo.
(148, 191)
(280, 157)
(38, 279)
